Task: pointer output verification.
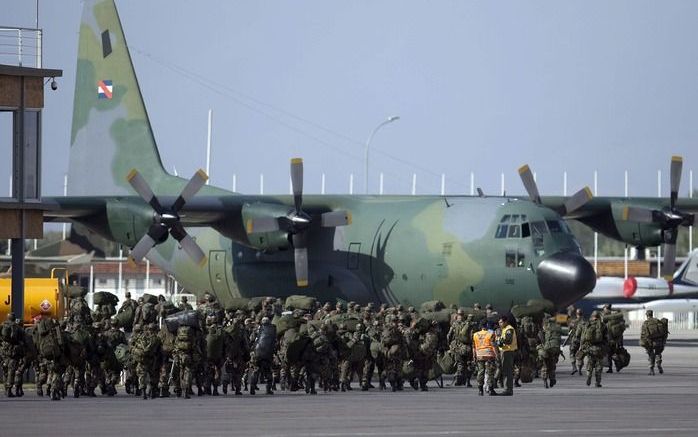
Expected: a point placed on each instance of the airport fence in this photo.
(677, 321)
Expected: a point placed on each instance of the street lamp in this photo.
(390, 119)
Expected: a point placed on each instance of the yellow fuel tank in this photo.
(42, 296)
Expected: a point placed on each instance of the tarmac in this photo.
(629, 403)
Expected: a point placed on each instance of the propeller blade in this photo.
(193, 250)
(297, 182)
(188, 244)
(141, 249)
(578, 199)
(335, 218)
(669, 260)
(193, 186)
(675, 178)
(530, 184)
(262, 224)
(301, 260)
(300, 257)
(141, 187)
(638, 215)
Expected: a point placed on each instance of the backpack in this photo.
(214, 343)
(148, 313)
(465, 335)
(185, 338)
(528, 327)
(593, 333)
(50, 339)
(655, 329)
(616, 328)
(144, 347)
(553, 336)
(266, 342)
(11, 333)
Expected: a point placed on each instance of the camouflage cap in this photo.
(649, 313)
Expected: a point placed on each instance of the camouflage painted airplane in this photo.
(392, 249)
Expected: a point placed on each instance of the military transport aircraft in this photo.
(392, 249)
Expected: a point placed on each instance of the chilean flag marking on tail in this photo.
(104, 89)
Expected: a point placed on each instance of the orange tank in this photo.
(42, 297)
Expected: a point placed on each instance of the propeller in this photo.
(167, 220)
(669, 219)
(296, 222)
(572, 203)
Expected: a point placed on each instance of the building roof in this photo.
(14, 70)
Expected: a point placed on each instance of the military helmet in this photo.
(460, 312)
(265, 320)
(128, 295)
(184, 299)
(594, 314)
(649, 313)
(411, 310)
(477, 306)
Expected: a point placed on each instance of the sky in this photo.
(483, 87)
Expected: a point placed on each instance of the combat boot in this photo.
(364, 387)
(145, 393)
(138, 392)
(252, 390)
(269, 391)
(207, 390)
(164, 393)
(19, 391)
(491, 392)
(238, 392)
(9, 393)
(651, 371)
(39, 391)
(343, 387)
(187, 395)
(480, 391)
(661, 370)
(199, 391)
(598, 384)
(225, 389)
(610, 369)
(313, 391)
(545, 382)
(55, 396)
(215, 392)
(178, 392)
(552, 383)
(467, 383)
(589, 379)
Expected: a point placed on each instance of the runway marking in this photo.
(488, 431)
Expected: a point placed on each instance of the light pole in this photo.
(390, 119)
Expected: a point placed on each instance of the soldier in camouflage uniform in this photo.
(186, 358)
(215, 355)
(51, 342)
(459, 339)
(262, 355)
(653, 337)
(146, 352)
(549, 351)
(357, 348)
(374, 359)
(167, 364)
(423, 342)
(237, 353)
(594, 345)
(111, 368)
(573, 320)
(579, 355)
(394, 352)
(12, 353)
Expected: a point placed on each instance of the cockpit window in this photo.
(538, 228)
(501, 231)
(515, 218)
(525, 230)
(505, 219)
(514, 231)
(554, 226)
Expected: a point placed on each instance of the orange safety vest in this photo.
(484, 345)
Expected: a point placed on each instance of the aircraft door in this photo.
(218, 273)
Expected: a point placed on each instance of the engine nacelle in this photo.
(266, 241)
(128, 220)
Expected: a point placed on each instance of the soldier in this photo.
(653, 337)
(593, 345)
(615, 326)
(459, 337)
(237, 353)
(262, 355)
(485, 355)
(357, 350)
(167, 363)
(550, 351)
(507, 346)
(50, 342)
(393, 350)
(323, 312)
(138, 314)
(576, 326)
(12, 353)
(215, 355)
(374, 358)
(184, 304)
(423, 343)
(111, 337)
(146, 352)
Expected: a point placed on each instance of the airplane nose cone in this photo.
(565, 277)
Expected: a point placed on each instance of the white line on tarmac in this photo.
(488, 431)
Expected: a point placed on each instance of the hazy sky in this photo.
(479, 86)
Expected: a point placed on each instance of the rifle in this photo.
(566, 340)
(174, 363)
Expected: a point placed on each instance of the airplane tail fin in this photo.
(687, 273)
(111, 133)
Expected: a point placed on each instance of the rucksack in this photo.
(50, 339)
(655, 329)
(528, 327)
(593, 333)
(465, 335)
(616, 328)
(148, 313)
(553, 336)
(266, 342)
(11, 333)
(144, 347)
(214, 343)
